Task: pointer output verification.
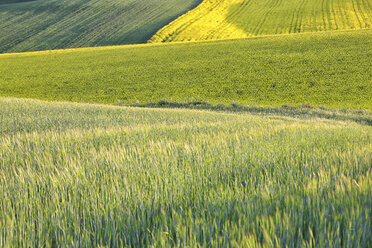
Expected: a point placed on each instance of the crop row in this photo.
(43, 25)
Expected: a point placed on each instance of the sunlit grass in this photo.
(325, 69)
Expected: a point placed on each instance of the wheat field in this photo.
(83, 175)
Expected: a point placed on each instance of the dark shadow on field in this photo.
(14, 1)
(160, 25)
(304, 111)
(46, 27)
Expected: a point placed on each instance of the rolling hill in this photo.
(323, 69)
(52, 24)
(83, 175)
(228, 19)
(283, 160)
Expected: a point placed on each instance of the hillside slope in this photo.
(83, 175)
(227, 19)
(330, 69)
(51, 24)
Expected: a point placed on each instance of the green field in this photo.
(216, 19)
(329, 69)
(92, 175)
(52, 24)
(257, 135)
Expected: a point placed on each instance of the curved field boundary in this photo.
(57, 24)
(228, 19)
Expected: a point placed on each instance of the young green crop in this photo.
(89, 175)
(229, 19)
(330, 69)
(53, 24)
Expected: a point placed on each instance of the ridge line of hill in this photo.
(155, 44)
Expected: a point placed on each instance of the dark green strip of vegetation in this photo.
(304, 111)
(14, 1)
(55, 24)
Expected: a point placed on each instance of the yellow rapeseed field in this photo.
(229, 19)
